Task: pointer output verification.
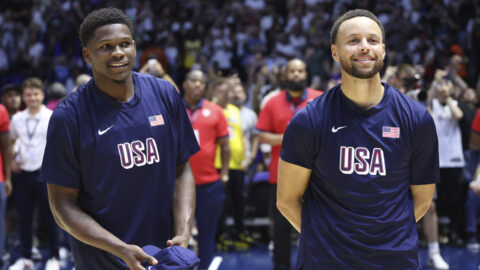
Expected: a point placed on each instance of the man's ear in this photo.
(333, 48)
(135, 47)
(384, 52)
(86, 55)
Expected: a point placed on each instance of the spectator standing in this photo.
(5, 176)
(12, 98)
(29, 131)
(211, 130)
(272, 122)
(221, 89)
(447, 114)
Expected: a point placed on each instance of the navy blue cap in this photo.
(172, 258)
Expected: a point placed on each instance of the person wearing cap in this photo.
(116, 164)
(211, 129)
(28, 130)
(12, 98)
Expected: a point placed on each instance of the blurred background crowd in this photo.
(432, 56)
(40, 37)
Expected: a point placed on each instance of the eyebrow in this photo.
(356, 34)
(110, 40)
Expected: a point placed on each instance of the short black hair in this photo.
(352, 14)
(99, 18)
(194, 70)
(11, 87)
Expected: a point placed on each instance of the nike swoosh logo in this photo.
(334, 130)
(101, 132)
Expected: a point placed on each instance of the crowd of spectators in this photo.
(431, 50)
(39, 37)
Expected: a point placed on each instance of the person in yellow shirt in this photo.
(235, 186)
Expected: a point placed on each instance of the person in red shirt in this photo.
(5, 179)
(211, 129)
(472, 204)
(272, 122)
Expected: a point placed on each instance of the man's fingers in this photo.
(147, 258)
(177, 241)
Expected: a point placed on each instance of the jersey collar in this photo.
(303, 97)
(197, 107)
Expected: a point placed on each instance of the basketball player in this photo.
(116, 155)
(359, 163)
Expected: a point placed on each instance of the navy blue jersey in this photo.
(358, 208)
(122, 158)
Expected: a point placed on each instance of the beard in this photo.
(295, 86)
(237, 102)
(361, 73)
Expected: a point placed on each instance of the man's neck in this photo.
(192, 103)
(366, 93)
(222, 103)
(34, 110)
(295, 94)
(11, 112)
(119, 91)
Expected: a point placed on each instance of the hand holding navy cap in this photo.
(171, 258)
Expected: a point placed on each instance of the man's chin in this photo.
(121, 81)
(364, 73)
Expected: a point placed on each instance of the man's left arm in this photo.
(183, 205)
(422, 198)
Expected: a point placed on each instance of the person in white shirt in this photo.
(446, 115)
(28, 130)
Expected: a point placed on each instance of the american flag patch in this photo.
(390, 132)
(156, 120)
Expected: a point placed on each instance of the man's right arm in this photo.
(224, 157)
(475, 141)
(70, 217)
(292, 183)
(475, 134)
(273, 139)
(265, 126)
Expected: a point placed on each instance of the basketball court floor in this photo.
(259, 258)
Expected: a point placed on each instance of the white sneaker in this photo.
(36, 255)
(5, 258)
(21, 264)
(63, 253)
(52, 264)
(437, 262)
(270, 246)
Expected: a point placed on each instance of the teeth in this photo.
(117, 65)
